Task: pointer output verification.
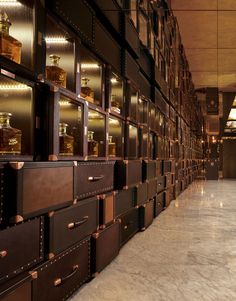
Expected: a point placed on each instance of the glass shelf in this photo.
(96, 134)
(116, 95)
(16, 118)
(70, 127)
(115, 138)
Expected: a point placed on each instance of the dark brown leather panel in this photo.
(129, 224)
(22, 293)
(124, 200)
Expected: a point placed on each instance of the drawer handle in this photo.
(3, 254)
(97, 178)
(158, 204)
(77, 224)
(159, 184)
(60, 281)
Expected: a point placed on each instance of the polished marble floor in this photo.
(187, 254)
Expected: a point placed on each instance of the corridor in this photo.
(187, 254)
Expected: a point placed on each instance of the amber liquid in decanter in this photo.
(92, 145)
(111, 147)
(66, 141)
(9, 46)
(54, 73)
(86, 91)
(10, 138)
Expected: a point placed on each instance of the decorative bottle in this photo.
(115, 104)
(111, 147)
(86, 91)
(9, 46)
(92, 145)
(10, 138)
(66, 141)
(54, 73)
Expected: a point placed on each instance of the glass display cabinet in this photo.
(143, 29)
(152, 146)
(115, 94)
(143, 110)
(96, 137)
(131, 141)
(92, 78)
(115, 138)
(61, 59)
(152, 115)
(143, 142)
(132, 103)
(17, 121)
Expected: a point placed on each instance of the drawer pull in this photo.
(77, 224)
(159, 184)
(60, 281)
(95, 179)
(3, 254)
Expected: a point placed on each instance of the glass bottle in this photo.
(92, 145)
(66, 141)
(9, 46)
(10, 138)
(54, 72)
(115, 104)
(86, 91)
(111, 147)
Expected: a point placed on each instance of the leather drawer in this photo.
(141, 193)
(64, 274)
(70, 225)
(159, 167)
(167, 166)
(105, 246)
(106, 209)
(129, 224)
(124, 200)
(168, 180)
(152, 188)
(167, 198)
(21, 247)
(159, 203)
(160, 184)
(146, 215)
(93, 178)
(35, 188)
(17, 289)
(128, 173)
(149, 170)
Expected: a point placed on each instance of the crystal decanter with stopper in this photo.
(10, 138)
(54, 73)
(92, 145)
(9, 46)
(66, 141)
(86, 91)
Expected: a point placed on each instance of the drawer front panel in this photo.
(23, 292)
(70, 225)
(61, 276)
(21, 247)
(129, 224)
(128, 173)
(168, 180)
(167, 166)
(149, 170)
(106, 209)
(159, 203)
(141, 193)
(160, 184)
(146, 215)
(94, 178)
(124, 200)
(105, 246)
(152, 188)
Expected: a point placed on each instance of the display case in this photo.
(143, 113)
(115, 97)
(132, 102)
(131, 141)
(61, 56)
(96, 136)
(17, 123)
(62, 125)
(143, 142)
(115, 137)
(152, 146)
(152, 115)
(92, 78)
(143, 29)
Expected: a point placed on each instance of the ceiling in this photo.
(208, 31)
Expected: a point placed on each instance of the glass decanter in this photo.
(115, 104)
(9, 46)
(111, 147)
(66, 141)
(92, 145)
(10, 138)
(54, 73)
(86, 91)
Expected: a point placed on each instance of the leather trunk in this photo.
(167, 198)
(94, 178)
(167, 166)
(146, 215)
(35, 188)
(64, 274)
(152, 188)
(124, 200)
(128, 173)
(106, 209)
(21, 247)
(141, 193)
(70, 225)
(149, 170)
(159, 203)
(129, 224)
(105, 246)
(160, 184)
(168, 180)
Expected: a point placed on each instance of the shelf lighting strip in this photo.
(10, 3)
(14, 87)
(56, 40)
